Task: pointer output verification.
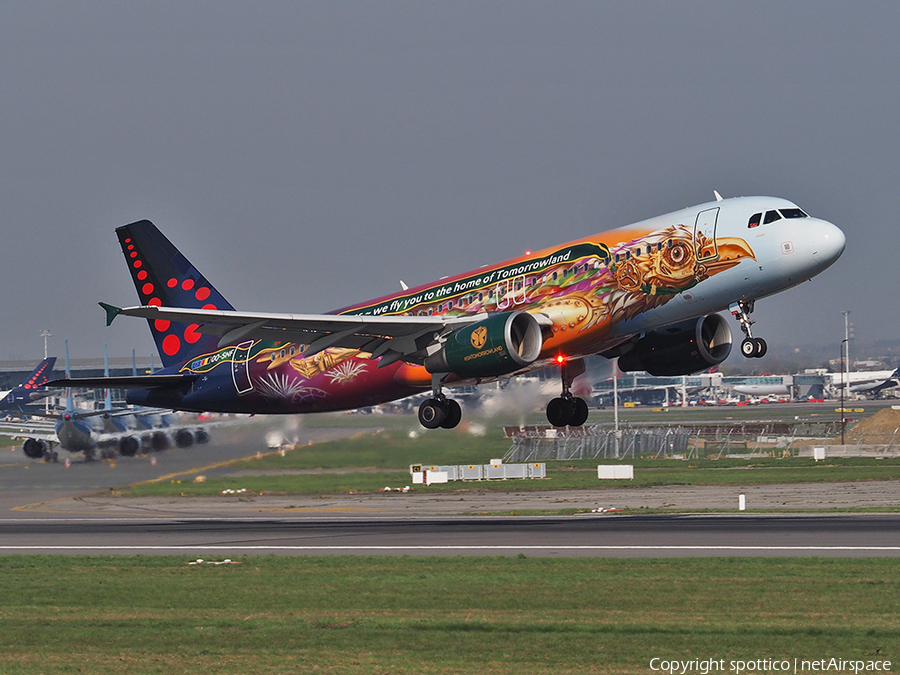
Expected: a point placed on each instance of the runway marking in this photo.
(463, 547)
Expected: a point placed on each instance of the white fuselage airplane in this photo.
(646, 293)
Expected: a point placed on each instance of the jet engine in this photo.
(495, 346)
(680, 349)
(128, 446)
(34, 447)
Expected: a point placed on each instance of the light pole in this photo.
(845, 343)
(46, 334)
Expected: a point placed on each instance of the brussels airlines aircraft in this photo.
(31, 390)
(645, 293)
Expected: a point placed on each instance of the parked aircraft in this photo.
(866, 381)
(646, 293)
(109, 431)
(31, 390)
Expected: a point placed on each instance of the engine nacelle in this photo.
(680, 349)
(495, 346)
(128, 446)
(34, 447)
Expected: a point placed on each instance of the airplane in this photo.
(31, 390)
(866, 381)
(111, 431)
(646, 294)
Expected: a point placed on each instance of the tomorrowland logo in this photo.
(479, 337)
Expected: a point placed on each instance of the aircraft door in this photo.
(705, 235)
(240, 368)
(503, 299)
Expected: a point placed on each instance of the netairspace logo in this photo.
(796, 665)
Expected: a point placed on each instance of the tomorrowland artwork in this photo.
(578, 287)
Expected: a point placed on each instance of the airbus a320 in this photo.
(647, 294)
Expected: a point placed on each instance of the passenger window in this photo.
(754, 220)
(771, 217)
(793, 213)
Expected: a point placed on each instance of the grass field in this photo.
(437, 615)
(372, 461)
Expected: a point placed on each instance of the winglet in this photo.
(718, 196)
(111, 312)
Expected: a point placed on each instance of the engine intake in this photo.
(680, 349)
(495, 346)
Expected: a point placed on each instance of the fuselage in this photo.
(590, 294)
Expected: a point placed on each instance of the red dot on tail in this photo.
(131, 247)
(161, 325)
(133, 254)
(154, 302)
(190, 333)
(137, 263)
(202, 293)
(128, 241)
(187, 284)
(209, 306)
(171, 344)
(172, 283)
(142, 275)
(147, 288)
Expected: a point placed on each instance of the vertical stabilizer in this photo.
(164, 277)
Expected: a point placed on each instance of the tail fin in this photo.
(40, 375)
(30, 389)
(163, 276)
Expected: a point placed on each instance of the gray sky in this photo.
(306, 155)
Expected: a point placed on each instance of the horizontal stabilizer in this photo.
(127, 382)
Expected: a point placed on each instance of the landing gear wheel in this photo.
(431, 413)
(454, 414)
(748, 347)
(579, 412)
(560, 411)
(754, 348)
(761, 347)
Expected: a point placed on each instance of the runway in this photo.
(51, 509)
(564, 536)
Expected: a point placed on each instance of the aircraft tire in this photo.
(560, 411)
(579, 412)
(454, 415)
(748, 347)
(761, 348)
(431, 413)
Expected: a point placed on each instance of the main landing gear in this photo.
(568, 410)
(751, 347)
(439, 411)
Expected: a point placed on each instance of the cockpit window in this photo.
(793, 213)
(754, 220)
(771, 217)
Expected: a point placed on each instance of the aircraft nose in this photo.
(829, 243)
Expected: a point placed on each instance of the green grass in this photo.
(373, 461)
(436, 615)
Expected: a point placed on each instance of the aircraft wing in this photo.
(390, 337)
(35, 431)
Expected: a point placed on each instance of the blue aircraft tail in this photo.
(29, 390)
(163, 276)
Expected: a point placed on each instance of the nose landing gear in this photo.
(751, 347)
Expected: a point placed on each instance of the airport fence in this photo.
(531, 444)
(543, 443)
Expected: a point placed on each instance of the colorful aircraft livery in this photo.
(646, 293)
